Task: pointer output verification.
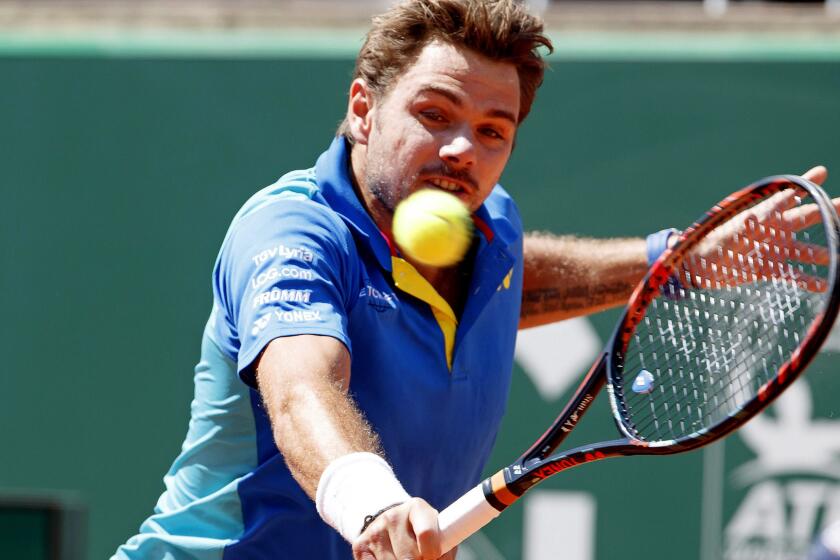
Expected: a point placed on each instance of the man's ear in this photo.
(360, 111)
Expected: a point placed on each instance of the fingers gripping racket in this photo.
(723, 322)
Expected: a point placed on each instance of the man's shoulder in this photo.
(500, 200)
(299, 185)
(293, 207)
(296, 192)
(502, 208)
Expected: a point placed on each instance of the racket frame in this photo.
(539, 462)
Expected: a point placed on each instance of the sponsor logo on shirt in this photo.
(285, 252)
(276, 294)
(505, 285)
(297, 316)
(276, 273)
(379, 300)
(260, 324)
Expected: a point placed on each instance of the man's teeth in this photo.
(446, 185)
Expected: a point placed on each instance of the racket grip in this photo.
(465, 516)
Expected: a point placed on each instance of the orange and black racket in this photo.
(723, 322)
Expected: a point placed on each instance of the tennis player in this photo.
(827, 545)
(345, 393)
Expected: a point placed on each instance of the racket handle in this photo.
(465, 516)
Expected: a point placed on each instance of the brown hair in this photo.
(501, 30)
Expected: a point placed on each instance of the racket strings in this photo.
(728, 381)
(746, 298)
(705, 390)
(690, 406)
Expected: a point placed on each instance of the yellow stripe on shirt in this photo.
(407, 279)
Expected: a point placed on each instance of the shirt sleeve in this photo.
(289, 268)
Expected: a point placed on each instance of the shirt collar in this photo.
(332, 171)
(333, 175)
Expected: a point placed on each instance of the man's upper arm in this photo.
(288, 269)
(307, 359)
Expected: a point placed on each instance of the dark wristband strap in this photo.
(657, 243)
(370, 518)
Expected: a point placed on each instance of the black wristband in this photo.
(369, 518)
(657, 243)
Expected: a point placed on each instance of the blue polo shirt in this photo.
(303, 257)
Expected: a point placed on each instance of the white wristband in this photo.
(353, 487)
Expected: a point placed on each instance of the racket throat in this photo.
(570, 415)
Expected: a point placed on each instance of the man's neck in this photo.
(450, 283)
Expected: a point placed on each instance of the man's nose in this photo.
(459, 151)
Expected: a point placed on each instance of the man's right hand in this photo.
(405, 532)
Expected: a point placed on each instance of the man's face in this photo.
(447, 123)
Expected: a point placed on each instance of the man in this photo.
(827, 543)
(344, 393)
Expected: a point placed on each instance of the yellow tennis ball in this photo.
(433, 227)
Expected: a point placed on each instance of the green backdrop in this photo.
(120, 170)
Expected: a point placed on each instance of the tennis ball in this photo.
(433, 228)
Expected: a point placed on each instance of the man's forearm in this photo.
(567, 276)
(334, 454)
(314, 420)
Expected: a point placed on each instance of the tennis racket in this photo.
(722, 323)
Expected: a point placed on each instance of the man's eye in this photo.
(492, 133)
(433, 116)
